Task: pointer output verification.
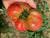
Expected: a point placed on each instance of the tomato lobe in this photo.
(20, 25)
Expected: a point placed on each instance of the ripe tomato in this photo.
(20, 25)
(35, 12)
(34, 20)
(15, 10)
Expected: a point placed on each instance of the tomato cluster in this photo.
(24, 17)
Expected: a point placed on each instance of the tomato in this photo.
(35, 12)
(20, 25)
(34, 20)
(15, 10)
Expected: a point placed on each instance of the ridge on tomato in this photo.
(35, 12)
(34, 20)
(20, 25)
(15, 10)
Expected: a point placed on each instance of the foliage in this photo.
(3, 22)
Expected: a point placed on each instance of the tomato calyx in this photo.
(24, 15)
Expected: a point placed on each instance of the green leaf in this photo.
(48, 26)
(4, 8)
(41, 36)
(36, 2)
(45, 36)
(44, 17)
(47, 9)
(45, 4)
(32, 37)
(48, 18)
(23, 32)
(44, 25)
(30, 33)
(37, 36)
(47, 21)
(40, 6)
(42, 28)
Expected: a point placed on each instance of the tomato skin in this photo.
(35, 12)
(34, 21)
(20, 25)
(15, 10)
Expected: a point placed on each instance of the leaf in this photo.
(41, 36)
(45, 4)
(14, 28)
(40, 6)
(45, 36)
(48, 18)
(44, 17)
(36, 36)
(48, 26)
(47, 9)
(42, 28)
(4, 8)
(36, 2)
(43, 24)
(47, 21)
(8, 30)
(33, 37)
(23, 32)
(30, 33)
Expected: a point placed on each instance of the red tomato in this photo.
(34, 20)
(35, 12)
(20, 25)
(15, 10)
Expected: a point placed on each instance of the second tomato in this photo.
(34, 20)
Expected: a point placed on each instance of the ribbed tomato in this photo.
(35, 12)
(15, 10)
(20, 25)
(34, 20)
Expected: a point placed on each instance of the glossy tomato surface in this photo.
(34, 20)
(35, 12)
(15, 10)
(20, 25)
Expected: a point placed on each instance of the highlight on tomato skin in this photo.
(20, 25)
(15, 10)
(34, 20)
(35, 12)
